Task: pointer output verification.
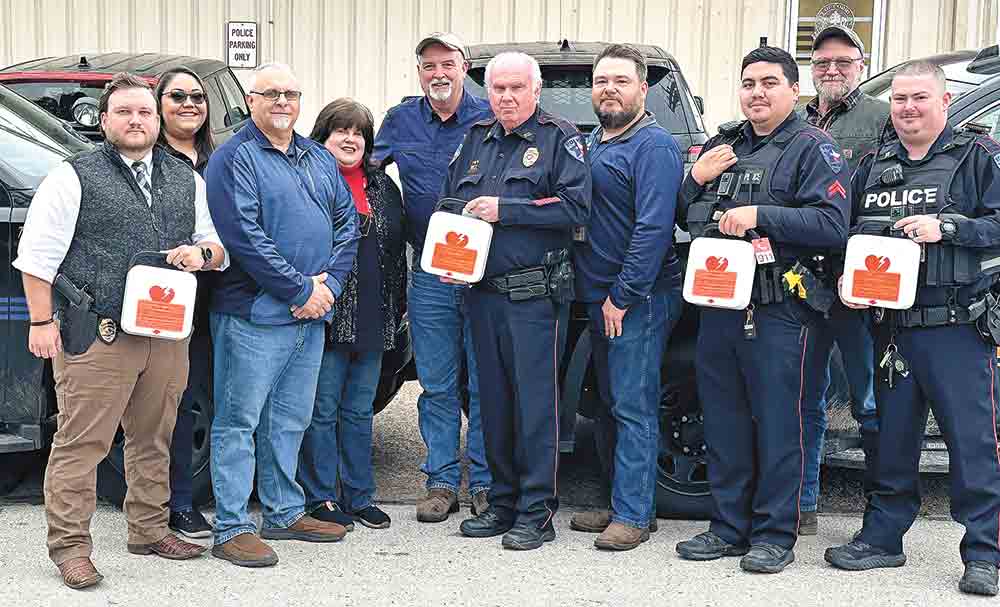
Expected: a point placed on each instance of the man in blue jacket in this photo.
(289, 225)
(628, 275)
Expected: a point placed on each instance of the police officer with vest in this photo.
(941, 188)
(855, 121)
(784, 184)
(88, 220)
(524, 171)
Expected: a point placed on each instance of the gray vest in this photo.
(925, 189)
(115, 222)
(858, 130)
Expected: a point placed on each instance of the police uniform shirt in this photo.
(51, 221)
(810, 184)
(540, 173)
(974, 194)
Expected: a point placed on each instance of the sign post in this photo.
(241, 44)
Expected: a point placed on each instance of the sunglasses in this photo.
(179, 96)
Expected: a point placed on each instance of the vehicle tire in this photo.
(14, 467)
(682, 489)
(111, 484)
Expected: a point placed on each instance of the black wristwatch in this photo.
(206, 255)
(949, 229)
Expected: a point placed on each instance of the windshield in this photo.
(58, 98)
(566, 93)
(21, 115)
(959, 81)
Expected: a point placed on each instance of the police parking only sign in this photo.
(241, 44)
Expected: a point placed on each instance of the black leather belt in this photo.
(938, 316)
(519, 285)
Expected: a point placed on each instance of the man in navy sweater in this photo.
(628, 275)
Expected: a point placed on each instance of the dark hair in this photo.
(204, 144)
(625, 51)
(119, 82)
(773, 54)
(346, 113)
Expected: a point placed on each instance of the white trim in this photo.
(878, 35)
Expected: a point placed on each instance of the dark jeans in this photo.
(628, 379)
(338, 442)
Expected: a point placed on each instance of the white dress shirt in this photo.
(51, 220)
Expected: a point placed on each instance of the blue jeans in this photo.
(442, 342)
(849, 329)
(628, 380)
(265, 382)
(339, 439)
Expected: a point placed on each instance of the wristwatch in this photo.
(206, 255)
(949, 229)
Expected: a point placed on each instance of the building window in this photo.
(807, 17)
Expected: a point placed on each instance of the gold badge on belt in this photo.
(530, 156)
(107, 331)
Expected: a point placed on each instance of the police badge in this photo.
(107, 331)
(530, 156)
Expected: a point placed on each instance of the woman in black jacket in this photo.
(339, 440)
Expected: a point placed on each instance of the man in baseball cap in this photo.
(445, 39)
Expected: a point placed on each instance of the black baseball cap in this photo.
(839, 31)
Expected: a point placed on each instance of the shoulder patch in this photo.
(832, 157)
(574, 145)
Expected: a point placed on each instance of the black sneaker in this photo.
(189, 523)
(980, 578)
(372, 517)
(486, 524)
(767, 558)
(859, 556)
(708, 546)
(528, 536)
(330, 512)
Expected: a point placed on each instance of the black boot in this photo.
(767, 558)
(528, 536)
(708, 546)
(980, 578)
(859, 556)
(485, 524)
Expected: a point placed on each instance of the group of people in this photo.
(304, 240)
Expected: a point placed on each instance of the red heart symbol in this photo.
(883, 265)
(871, 262)
(456, 240)
(161, 294)
(716, 264)
(875, 263)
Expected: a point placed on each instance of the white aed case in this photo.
(881, 271)
(720, 273)
(158, 302)
(456, 246)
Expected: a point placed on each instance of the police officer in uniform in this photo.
(525, 171)
(772, 177)
(941, 188)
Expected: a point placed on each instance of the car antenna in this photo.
(83, 62)
(564, 45)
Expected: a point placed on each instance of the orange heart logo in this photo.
(161, 294)
(875, 263)
(716, 264)
(456, 240)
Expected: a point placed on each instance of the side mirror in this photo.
(700, 104)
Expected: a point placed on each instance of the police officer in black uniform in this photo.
(524, 171)
(941, 188)
(772, 177)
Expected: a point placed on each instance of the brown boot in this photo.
(306, 529)
(79, 573)
(480, 502)
(436, 506)
(621, 537)
(246, 550)
(592, 521)
(170, 547)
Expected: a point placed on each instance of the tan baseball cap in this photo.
(839, 31)
(446, 39)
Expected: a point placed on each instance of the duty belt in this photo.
(938, 316)
(519, 285)
(767, 285)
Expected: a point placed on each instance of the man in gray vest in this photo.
(855, 121)
(90, 216)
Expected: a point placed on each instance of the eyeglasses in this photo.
(273, 95)
(842, 64)
(179, 96)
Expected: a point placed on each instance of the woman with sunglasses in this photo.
(185, 133)
(338, 442)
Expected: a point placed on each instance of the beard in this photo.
(282, 123)
(616, 120)
(831, 93)
(439, 94)
(126, 145)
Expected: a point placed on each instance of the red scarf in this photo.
(355, 178)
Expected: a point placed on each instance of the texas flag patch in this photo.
(836, 188)
(832, 156)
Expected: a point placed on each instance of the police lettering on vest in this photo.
(898, 197)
